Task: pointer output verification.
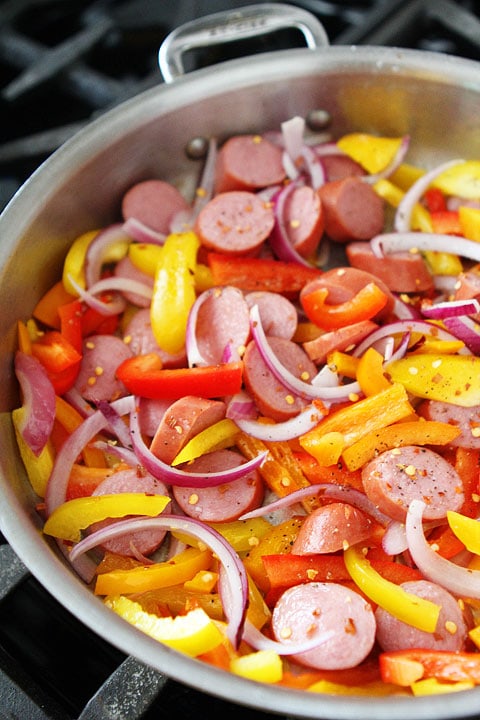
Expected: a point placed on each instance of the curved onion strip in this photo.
(204, 192)
(115, 423)
(112, 308)
(404, 311)
(279, 238)
(259, 641)
(122, 284)
(71, 449)
(292, 383)
(293, 131)
(194, 356)
(314, 167)
(175, 476)
(126, 455)
(451, 308)
(403, 214)
(458, 580)
(344, 493)
(234, 570)
(466, 330)
(241, 407)
(328, 148)
(142, 233)
(38, 401)
(394, 540)
(96, 251)
(393, 164)
(282, 431)
(399, 242)
(75, 399)
(84, 566)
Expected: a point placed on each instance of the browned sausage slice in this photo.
(155, 203)
(248, 162)
(184, 419)
(278, 315)
(235, 222)
(352, 209)
(398, 476)
(332, 527)
(222, 503)
(450, 632)
(403, 272)
(102, 354)
(313, 608)
(341, 339)
(304, 220)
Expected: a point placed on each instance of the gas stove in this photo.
(61, 65)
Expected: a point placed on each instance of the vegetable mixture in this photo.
(264, 457)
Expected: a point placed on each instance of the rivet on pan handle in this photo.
(233, 25)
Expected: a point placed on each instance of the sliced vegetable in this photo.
(363, 306)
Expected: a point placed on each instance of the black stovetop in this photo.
(63, 62)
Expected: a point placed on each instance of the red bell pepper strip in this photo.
(71, 323)
(435, 200)
(446, 222)
(443, 665)
(59, 358)
(143, 375)
(363, 306)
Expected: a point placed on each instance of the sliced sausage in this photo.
(235, 222)
(155, 203)
(466, 419)
(150, 414)
(338, 167)
(450, 632)
(184, 419)
(396, 477)
(341, 339)
(313, 608)
(102, 354)
(138, 335)
(271, 397)
(304, 219)
(278, 315)
(126, 269)
(402, 272)
(143, 542)
(248, 162)
(223, 324)
(352, 210)
(224, 502)
(332, 527)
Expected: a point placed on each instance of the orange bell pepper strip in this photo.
(338, 473)
(71, 323)
(46, 310)
(370, 373)
(416, 432)
(401, 666)
(24, 339)
(143, 375)
(363, 306)
(70, 419)
(59, 358)
(176, 571)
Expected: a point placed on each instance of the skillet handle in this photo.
(232, 25)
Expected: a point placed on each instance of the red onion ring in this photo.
(314, 167)
(122, 284)
(451, 308)
(401, 241)
(395, 162)
(259, 641)
(279, 237)
(112, 308)
(458, 580)
(194, 356)
(241, 407)
(466, 330)
(38, 401)
(282, 431)
(98, 248)
(293, 131)
(115, 423)
(204, 192)
(235, 576)
(140, 232)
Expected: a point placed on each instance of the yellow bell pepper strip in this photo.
(442, 263)
(38, 467)
(144, 375)
(452, 378)
(408, 608)
(370, 373)
(174, 290)
(469, 219)
(216, 437)
(278, 540)
(474, 635)
(393, 195)
(176, 571)
(74, 263)
(466, 529)
(24, 339)
(263, 666)
(372, 152)
(242, 535)
(68, 519)
(176, 600)
(204, 581)
(356, 420)
(146, 256)
(343, 363)
(442, 665)
(363, 306)
(416, 432)
(461, 180)
(432, 686)
(371, 689)
(193, 634)
(405, 175)
(439, 347)
(258, 613)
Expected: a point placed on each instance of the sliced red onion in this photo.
(241, 407)
(451, 308)
(74, 398)
(343, 493)
(140, 232)
(181, 221)
(395, 162)
(293, 131)
(175, 476)
(123, 285)
(458, 580)
(98, 249)
(204, 192)
(115, 423)
(404, 311)
(466, 330)
(114, 307)
(401, 241)
(328, 148)
(235, 576)
(445, 283)
(38, 401)
(194, 356)
(259, 641)
(292, 383)
(314, 167)
(403, 214)
(291, 170)
(84, 566)
(394, 540)
(282, 431)
(279, 237)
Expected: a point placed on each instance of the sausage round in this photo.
(450, 632)
(126, 269)
(466, 419)
(396, 477)
(248, 162)
(102, 354)
(155, 203)
(313, 608)
(277, 314)
(405, 272)
(235, 222)
(222, 503)
(304, 220)
(352, 210)
(139, 337)
(332, 527)
(338, 167)
(271, 397)
(142, 542)
(222, 322)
